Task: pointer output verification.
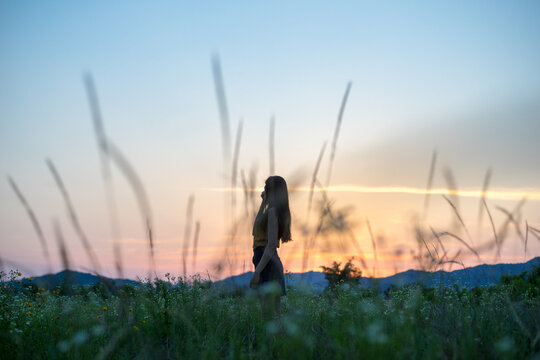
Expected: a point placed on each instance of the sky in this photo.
(460, 79)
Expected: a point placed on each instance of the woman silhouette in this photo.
(272, 224)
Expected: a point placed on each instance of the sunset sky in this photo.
(460, 78)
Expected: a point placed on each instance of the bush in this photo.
(335, 275)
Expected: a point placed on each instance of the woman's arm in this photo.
(270, 248)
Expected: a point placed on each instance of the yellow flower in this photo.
(136, 327)
(19, 281)
(30, 279)
(38, 293)
(131, 309)
(30, 313)
(100, 316)
(105, 308)
(19, 274)
(29, 304)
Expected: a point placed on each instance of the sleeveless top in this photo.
(260, 230)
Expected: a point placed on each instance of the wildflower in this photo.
(375, 333)
(19, 274)
(272, 327)
(30, 313)
(100, 316)
(29, 304)
(505, 344)
(80, 337)
(136, 327)
(30, 279)
(19, 281)
(98, 330)
(131, 309)
(105, 308)
(38, 293)
(63, 346)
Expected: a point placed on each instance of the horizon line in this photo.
(89, 272)
(531, 194)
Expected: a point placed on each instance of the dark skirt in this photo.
(272, 274)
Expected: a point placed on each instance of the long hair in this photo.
(278, 198)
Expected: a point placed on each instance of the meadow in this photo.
(189, 317)
(177, 320)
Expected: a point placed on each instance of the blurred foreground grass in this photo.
(171, 319)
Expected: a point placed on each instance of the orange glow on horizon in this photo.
(499, 194)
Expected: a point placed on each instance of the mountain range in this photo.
(74, 277)
(481, 275)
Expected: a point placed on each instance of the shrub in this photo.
(348, 274)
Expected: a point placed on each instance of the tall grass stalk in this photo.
(74, 219)
(234, 167)
(35, 223)
(195, 245)
(314, 179)
(373, 246)
(485, 187)
(64, 256)
(134, 181)
(223, 110)
(447, 233)
(535, 232)
(429, 182)
(512, 221)
(106, 173)
(495, 237)
(453, 195)
(187, 233)
(502, 233)
(336, 131)
(458, 216)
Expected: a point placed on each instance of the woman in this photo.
(272, 224)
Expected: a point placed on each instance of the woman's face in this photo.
(266, 195)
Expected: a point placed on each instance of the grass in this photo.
(171, 319)
(193, 319)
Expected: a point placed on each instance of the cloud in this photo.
(498, 194)
(503, 136)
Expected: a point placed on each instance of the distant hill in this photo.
(79, 278)
(481, 275)
(476, 276)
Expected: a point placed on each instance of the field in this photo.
(138, 142)
(171, 319)
(181, 318)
